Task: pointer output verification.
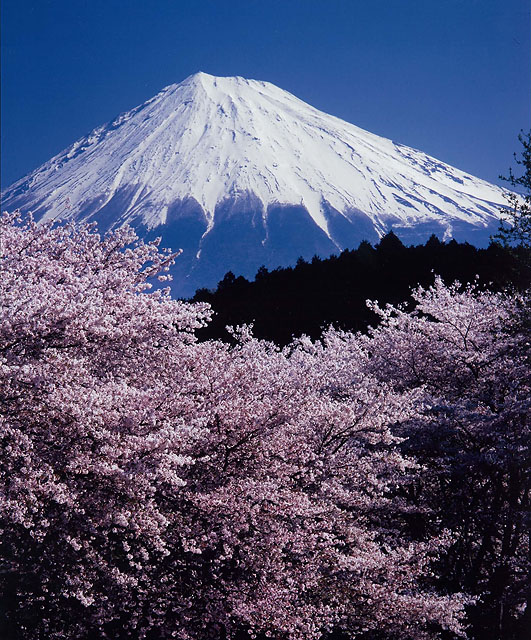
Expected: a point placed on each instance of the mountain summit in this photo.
(240, 173)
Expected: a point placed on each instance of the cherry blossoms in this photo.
(154, 486)
(468, 353)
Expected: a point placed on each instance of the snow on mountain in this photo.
(240, 173)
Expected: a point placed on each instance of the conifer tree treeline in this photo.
(309, 297)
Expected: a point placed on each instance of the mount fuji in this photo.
(239, 173)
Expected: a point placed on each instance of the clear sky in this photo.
(449, 77)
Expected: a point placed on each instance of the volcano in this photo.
(239, 173)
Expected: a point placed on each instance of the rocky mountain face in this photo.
(239, 173)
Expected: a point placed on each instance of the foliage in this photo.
(154, 486)
(515, 227)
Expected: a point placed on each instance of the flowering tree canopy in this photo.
(468, 353)
(153, 486)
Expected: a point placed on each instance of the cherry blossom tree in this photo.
(153, 487)
(467, 351)
(87, 438)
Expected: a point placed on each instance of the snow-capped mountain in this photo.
(239, 173)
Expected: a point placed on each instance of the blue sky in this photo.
(449, 77)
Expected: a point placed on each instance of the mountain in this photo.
(239, 173)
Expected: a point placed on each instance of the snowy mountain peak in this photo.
(216, 153)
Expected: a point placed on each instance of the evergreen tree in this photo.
(515, 227)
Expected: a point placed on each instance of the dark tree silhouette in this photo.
(312, 295)
(515, 227)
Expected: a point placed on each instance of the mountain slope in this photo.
(240, 173)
